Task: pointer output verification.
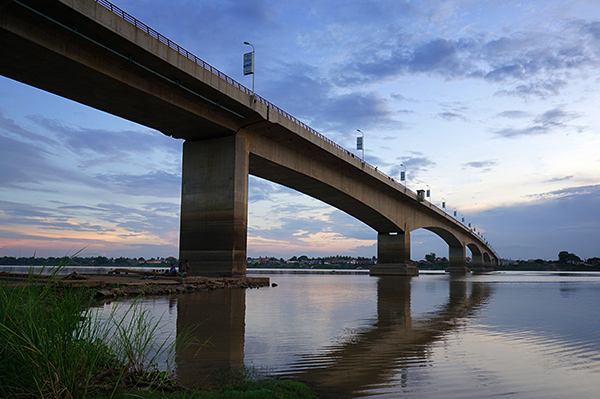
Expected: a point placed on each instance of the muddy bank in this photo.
(122, 285)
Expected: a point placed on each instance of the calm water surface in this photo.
(521, 335)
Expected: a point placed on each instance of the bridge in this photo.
(92, 52)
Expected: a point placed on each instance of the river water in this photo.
(521, 335)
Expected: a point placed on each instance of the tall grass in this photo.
(54, 345)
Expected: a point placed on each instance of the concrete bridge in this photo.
(92, 52)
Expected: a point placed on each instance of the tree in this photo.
(567, 257)
(430, 257)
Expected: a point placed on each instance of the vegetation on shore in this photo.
(565, 261)
(93, 261)
(53, 344)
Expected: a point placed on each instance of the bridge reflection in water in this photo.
(213, 327)
(373, 357)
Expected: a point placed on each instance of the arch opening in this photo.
(284, 222)
(322, 191)
(476, 255)
(435, 247)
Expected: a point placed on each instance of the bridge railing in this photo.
(192, 57)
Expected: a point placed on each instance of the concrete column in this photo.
(476, 259)
(214, 206)
(393, 255)
(457, 260)
(479, 266)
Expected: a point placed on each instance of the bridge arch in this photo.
(303, 181)
(456, 249)
(486, 258)
(476, 254)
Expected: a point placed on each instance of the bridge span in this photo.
(92, 52)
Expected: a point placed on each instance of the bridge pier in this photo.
(214, 206)
(484, 265)
(457, 258)
(479, 266)
(393, 255)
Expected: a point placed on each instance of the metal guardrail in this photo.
(171, 44)
(192, 57)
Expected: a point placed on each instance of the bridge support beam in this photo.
(214, 206)
(479, 266)
(457, 260)
(393, 256)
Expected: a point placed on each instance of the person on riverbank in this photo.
(172, 270)
(183, 267)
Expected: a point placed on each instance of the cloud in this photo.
(451, 116)
(148, 219)
(513, 114)
(322, 106)
(566, 219)
(299, 233)
(413, 165)
(570, 192)
(10, 126)
(558, 179)
(86, 141)
(542, 88)
(29, 162)
(545, 123)
(157, 183)
(484, 166)
(26, 165)
(555, 117)
(533, 63)
(262, 190)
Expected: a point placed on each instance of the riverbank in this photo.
(53, 344)
(124, 284)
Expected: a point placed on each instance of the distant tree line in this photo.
(566, 261)
(87, 261)
(305, 262)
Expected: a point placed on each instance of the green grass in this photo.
(54, 345)
(50, 345)
(261, 389)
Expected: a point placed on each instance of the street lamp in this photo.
(360, 143)
(403, 174)
(249, 64)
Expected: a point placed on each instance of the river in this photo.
(510, 334)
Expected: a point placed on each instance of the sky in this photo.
(492, 105)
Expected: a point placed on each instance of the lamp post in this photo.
(403, 174)
(360, 143)
(249, 64)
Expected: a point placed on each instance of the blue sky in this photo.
(492, 104)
